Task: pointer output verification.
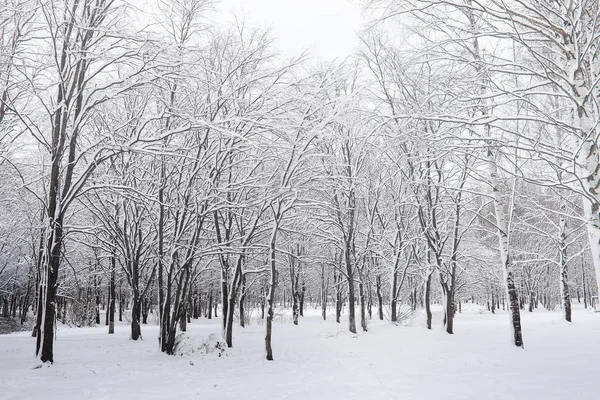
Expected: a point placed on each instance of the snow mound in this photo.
(211, 346)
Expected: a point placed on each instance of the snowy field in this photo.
(321, 360)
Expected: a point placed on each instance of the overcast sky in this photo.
(325, 27)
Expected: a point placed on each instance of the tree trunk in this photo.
(107, 305)
(48, 287)
(136, 310)
(224, 297)
(271, 295)
(394, 298)
(585, 301)
(337, 277)
(323, 294)
(229, 320)
(111, 303)
(242, 298)
(145, 310)
(363, 311)
(531, 301)
(449, 317)
(370, 302)
(295, 313)
(210, 305)
(197, 306)
(301, 299)
(379, 297)
(498, 201)
(564, 284)
(183, 319)
(428, 299)
(97, 292)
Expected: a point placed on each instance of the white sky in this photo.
(325, 27)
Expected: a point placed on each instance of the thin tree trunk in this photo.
(271, 295)
(394, 298)
(111, 303)
(449, 308)
(428, 299)
(323, 294)
(242, 298)
(564, 284)
(301, 299)
(498, 201)
(121, 300)
(295, 312)
(210, 304)
(350, 282)
(338, 296)
(585, 299)
(363, 311)
(379, 297)
(97, 293)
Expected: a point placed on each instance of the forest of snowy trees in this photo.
(154, 162)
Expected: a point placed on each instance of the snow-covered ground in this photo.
(321, 360)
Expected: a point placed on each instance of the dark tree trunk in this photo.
(229, 301)
(111, 303)
(145, 310)
(224, 298)
(183, 319)
(107, 305)
(39, 313)
(428, 300)
(351, 306)
(513, 299)
(323, 294)
(271, 295)
(136, 310)
(210, 305)
(379, 297)
(196, 306)
(295, 312)
(363, 311)
(25, 305)
(97, 292)
(370, 302)
(449, 312)
(242, 298)
(531, 301)
(229, 321)
(301, 299)
(338, 297)
(37, 303)
(415, 300)
(48, 289)
(121, 300)
(350, 282)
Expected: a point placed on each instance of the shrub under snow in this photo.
(211, 345)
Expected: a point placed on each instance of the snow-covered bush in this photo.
(186, 345)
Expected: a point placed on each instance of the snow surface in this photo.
(319, 360)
